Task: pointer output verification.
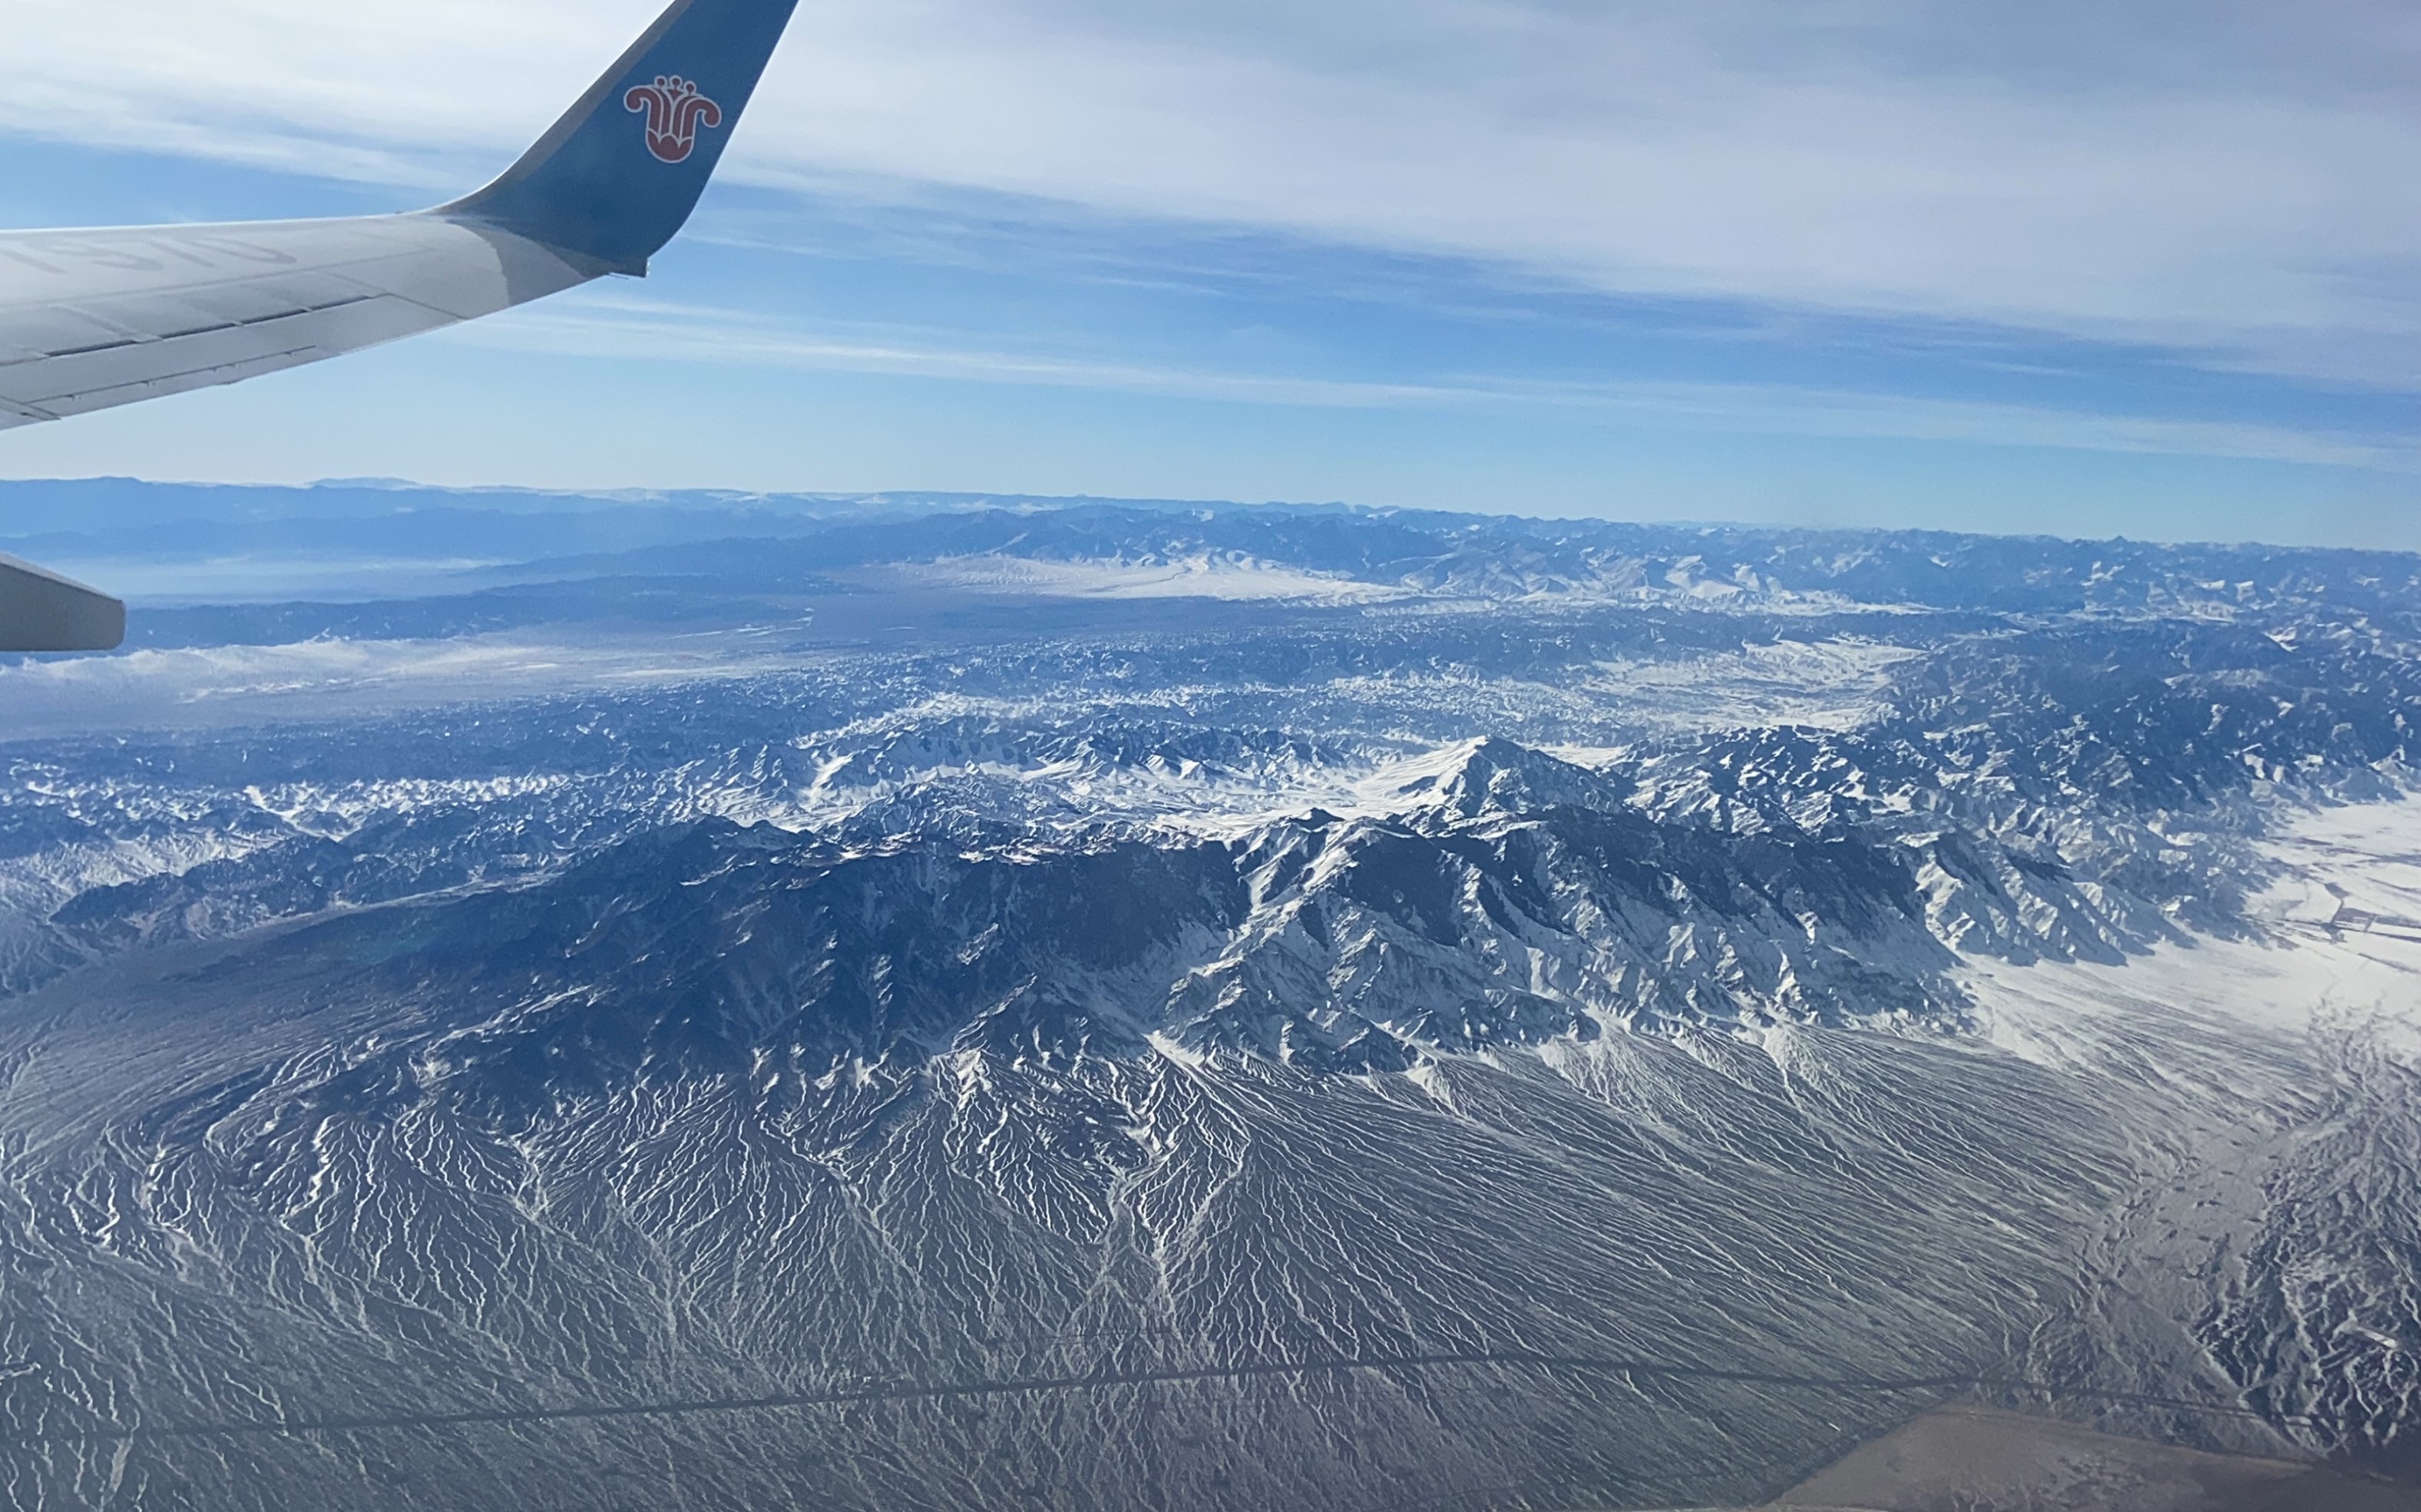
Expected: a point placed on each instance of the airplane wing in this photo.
(90, 319)
(96, 319)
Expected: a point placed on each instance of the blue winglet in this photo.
(618, 175)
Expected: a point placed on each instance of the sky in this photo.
(2086, 267)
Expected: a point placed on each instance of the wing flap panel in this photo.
(339, 287)
(80, 383)
(267, 299)
(54, 331)
(162, 385)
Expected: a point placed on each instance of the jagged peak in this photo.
(1495, 776)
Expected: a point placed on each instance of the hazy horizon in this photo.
(1022, 498)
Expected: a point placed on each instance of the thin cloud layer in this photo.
(2230, 176)
(636, 329)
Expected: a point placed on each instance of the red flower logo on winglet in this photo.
(676, 114)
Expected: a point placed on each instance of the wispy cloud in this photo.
(2230, 177)
(636, 327)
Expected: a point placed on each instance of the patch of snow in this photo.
(1235, 578)
(1833, 685)
(2338, 950)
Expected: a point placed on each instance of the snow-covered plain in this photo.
(1196, 577)
(2332, 949)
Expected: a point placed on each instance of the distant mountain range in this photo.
(955, 1003)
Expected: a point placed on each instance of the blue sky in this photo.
(2131, 268)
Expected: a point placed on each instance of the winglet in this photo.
(618, 175)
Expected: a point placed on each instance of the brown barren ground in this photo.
(1970, 1459)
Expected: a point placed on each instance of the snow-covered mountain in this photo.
(964, 1003)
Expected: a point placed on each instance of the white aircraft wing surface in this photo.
(89, 320)
(94, 318)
